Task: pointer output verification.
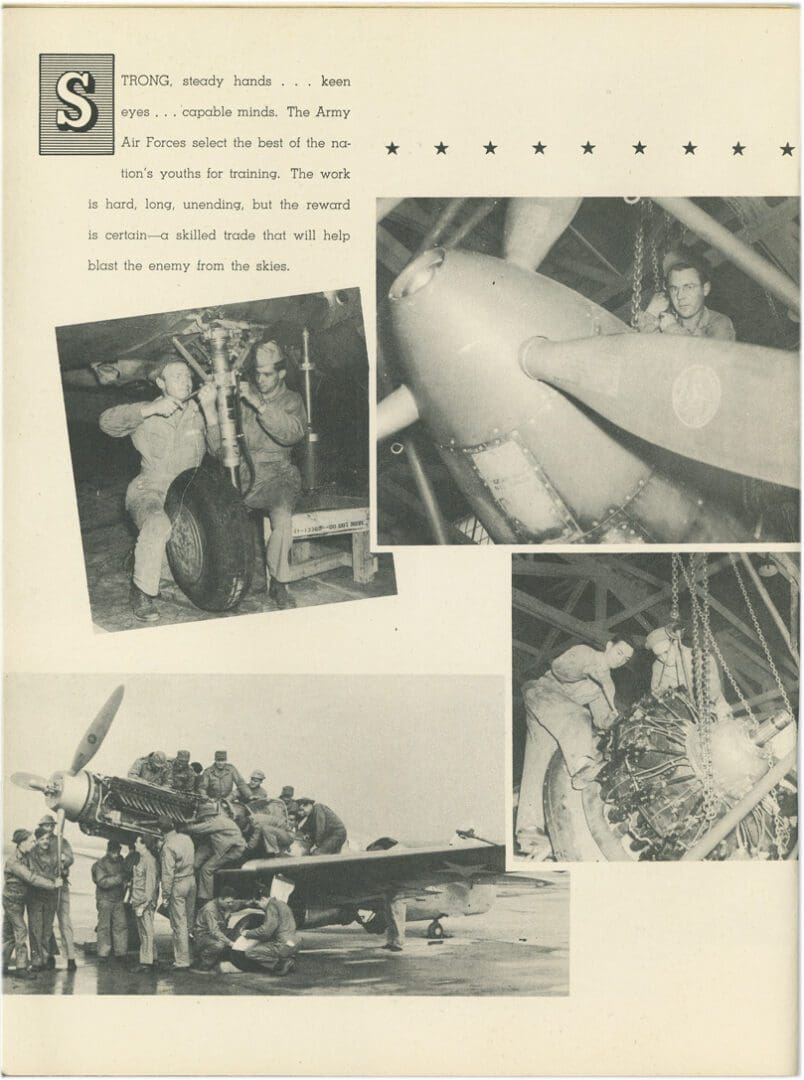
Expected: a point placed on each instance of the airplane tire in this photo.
(211, 546)
(247, 922)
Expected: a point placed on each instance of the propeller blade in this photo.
(96, 732)
(725, 404)
(29, 781)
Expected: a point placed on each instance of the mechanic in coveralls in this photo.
(320, 827)
(219, 843)
(220, 780)
(109, 876)
(274, 420)
(18, 879)
(673, 668)
(565, 707)
(211, 938)
(170, 434)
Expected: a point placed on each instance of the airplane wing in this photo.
(355, 877)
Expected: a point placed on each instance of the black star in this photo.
(392, 147)
(787, 150)
(490, 147)
(639, 147)
(738, 148)
(539, 147)
(588, 147)
(690, 148)
(440, 148)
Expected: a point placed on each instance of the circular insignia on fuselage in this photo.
(696, 395)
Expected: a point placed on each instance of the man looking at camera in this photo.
(682, 309)
(273, 420)
(170, 435)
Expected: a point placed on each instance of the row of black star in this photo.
(589, 148)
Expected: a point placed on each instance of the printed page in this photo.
(401, 540)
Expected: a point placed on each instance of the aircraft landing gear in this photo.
(435, 931)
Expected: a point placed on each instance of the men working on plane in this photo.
(255, 785)
(210, 939)
(63, 916)
(144, 894)
(571, 702)
(18, 881)
(220, 779)
(178, 887)
(219, 843)
(152, 768)
(170, 434)
(286, 795)
(273, 944)
(270, 831)
(682, 308)
(42, 900)
(321, 827)
(274, 420)
(181, 776)
(109, 876)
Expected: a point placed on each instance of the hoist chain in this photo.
(675, 610)
(654, 251)
(741, 214)
(760, 635)
(636, 288)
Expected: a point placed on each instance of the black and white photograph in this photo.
(266, 835)
(655, 706)
(596, 370)
(220, 459)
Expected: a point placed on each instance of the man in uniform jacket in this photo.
(63, 916)
(181, 776)
(270, 832)
(109, 876)
(210, 937)
(220, 779)
(151, 768)
(43, 900)
(321, 827)
(18, 879)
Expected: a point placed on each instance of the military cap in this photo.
(164, 823)
(158, 757)
(48, 819)
(19, 835)
(287, 793)
(183, 756)
(257, 774)
(220, 755)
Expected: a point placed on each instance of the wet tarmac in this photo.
(521, 946)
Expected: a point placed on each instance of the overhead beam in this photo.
(555, 617)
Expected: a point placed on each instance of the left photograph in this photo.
(220, 458)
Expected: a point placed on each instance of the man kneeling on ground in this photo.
(271, 946)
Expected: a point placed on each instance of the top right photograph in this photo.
(591, 371)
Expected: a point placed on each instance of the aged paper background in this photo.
(674, 969)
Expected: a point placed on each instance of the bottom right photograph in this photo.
(655, 706)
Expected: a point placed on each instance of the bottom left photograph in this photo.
(267, 835)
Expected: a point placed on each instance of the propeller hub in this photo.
(68, 793)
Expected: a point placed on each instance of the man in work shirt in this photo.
(63, 916)
(219, 843)
(682, 310)
(255, 785)
(323, 829)
(220, 779)
(151, 768)
(170, 434)
(144, 893)
(18, 879)
(109, 876)
(273, 944)
(178, 887)
(274, 420)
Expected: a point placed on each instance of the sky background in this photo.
(411, 757)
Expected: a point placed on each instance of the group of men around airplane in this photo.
(235, 821)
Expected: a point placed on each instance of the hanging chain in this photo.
(675, 609)
(654, 252)
(759, 634)
(741, 214)
(636, 287)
